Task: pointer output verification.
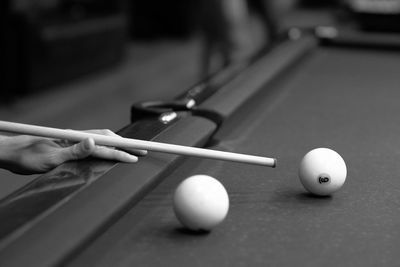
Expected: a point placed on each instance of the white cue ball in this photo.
(322, 171)
(200, 203)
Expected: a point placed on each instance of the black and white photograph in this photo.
(199, 133)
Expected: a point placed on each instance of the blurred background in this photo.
(80, 64)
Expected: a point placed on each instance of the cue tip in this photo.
(275, 163)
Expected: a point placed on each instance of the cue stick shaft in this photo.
(121, 142)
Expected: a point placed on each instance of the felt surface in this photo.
(346, 100)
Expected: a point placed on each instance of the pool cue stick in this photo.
(121, 142)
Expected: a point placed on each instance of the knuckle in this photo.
(75, 151)
(107, 132)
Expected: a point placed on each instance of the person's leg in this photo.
(269, 18)
(222, 24)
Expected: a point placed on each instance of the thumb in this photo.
(80, 150)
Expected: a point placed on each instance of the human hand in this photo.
(24, 154)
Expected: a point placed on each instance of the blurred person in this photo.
(24, 154)
(221, 23)
(235, 29)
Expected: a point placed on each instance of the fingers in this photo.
(137, 152)
(113, 154)
(80, 150)
(88, 148)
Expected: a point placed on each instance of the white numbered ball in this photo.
(322, 171)
(200, 203)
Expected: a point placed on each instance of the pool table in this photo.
(340, 91)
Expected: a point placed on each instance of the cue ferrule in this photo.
(121, 142)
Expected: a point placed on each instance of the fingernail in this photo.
(143, 152)
(131, 159)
